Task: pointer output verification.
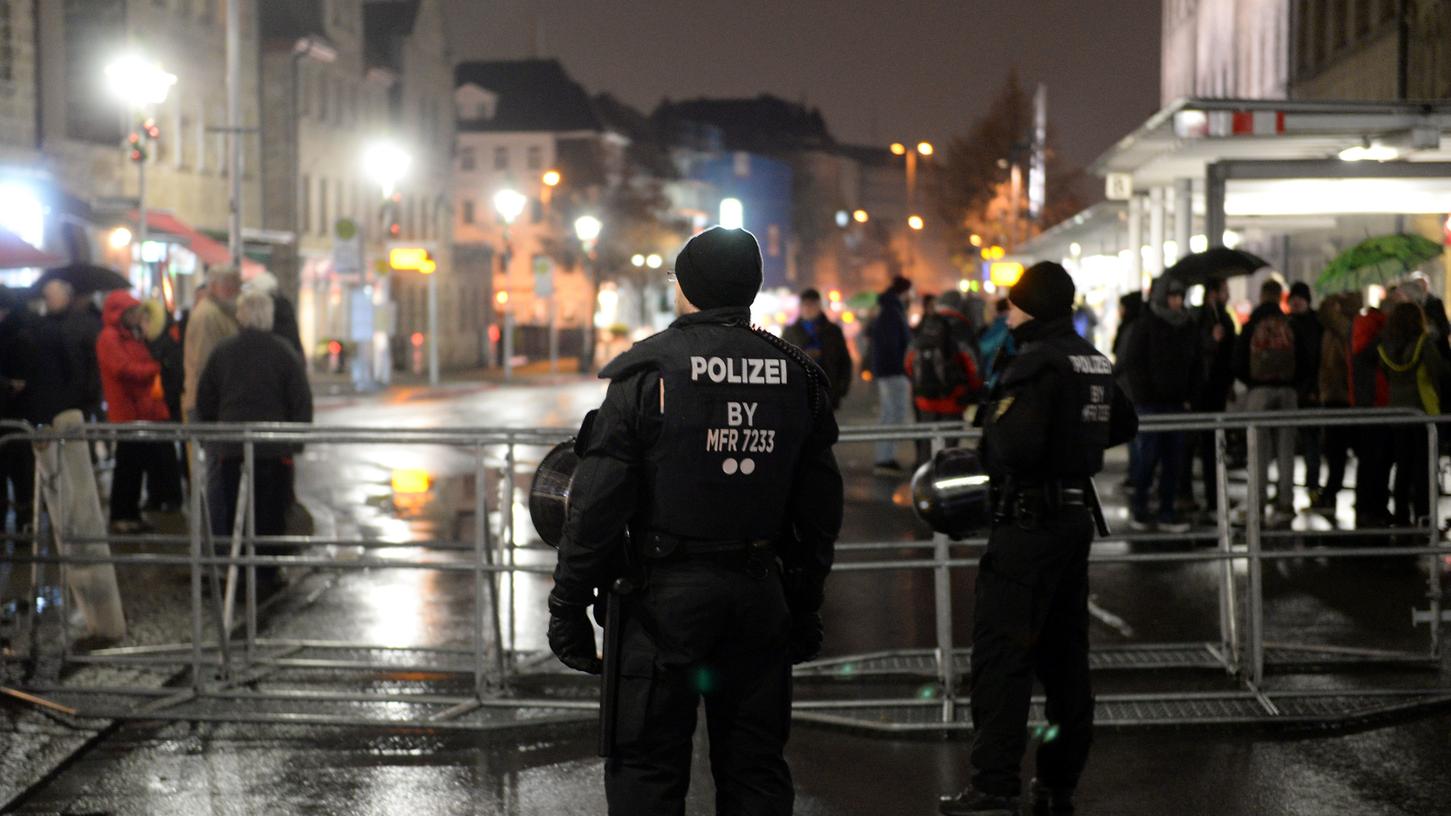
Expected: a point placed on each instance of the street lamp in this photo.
(637, 260)
(915, 222)
(139, 83)
(925, 150)
(587, 229)
(860, 216)
(551, 178)
(509, 204)
(732, 213)
(654, 261)
(386, 163)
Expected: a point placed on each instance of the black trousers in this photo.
(273, 485)
(712, 630)
(1374, 455)
(157, 463)
(17, 481)
(1032, 620)
(1412, 487)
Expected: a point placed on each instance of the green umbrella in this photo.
(1376, 260)
(862, 301)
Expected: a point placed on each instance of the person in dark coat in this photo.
(1267, 359)
(822, 340)
(284, 317)
(254, 376)
(1217, 332)
(1308, 337)
(80, 326)
(1162, 366)
(890, 337)
(19, 361)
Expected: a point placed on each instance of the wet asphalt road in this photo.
(223, 769)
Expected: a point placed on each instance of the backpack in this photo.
(1272, 350)
(938, 370)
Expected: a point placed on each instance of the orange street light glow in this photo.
(925, 148)
(860, 216)
(834, 296)
(502, 298)
(411, 482)
(915, 222)
(551, 178)
(1005, 273)
(899, 149)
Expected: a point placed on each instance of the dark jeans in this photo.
(718, 633)
(17, 481)
(1032, 620)
(1155, 449)
(1309, 444)
(1412, 488)
(1374, 456)
(1339, 439)
(273, 486)
(156, 463)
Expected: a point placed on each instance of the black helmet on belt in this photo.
(950, 493)
(549, 492)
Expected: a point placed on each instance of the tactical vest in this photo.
(737, 408)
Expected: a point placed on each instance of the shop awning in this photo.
(16, 253)
(208, 250)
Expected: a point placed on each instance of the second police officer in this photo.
(1045, 427)
(713, 448)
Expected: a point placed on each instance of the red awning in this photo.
(211, 252)
(15, 253)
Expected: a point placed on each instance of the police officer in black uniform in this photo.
(1045, 427)
(713, 448)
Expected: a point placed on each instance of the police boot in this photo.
(1050, 801)
(973, 802)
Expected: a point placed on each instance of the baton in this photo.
(1096, 505)
(610, 685)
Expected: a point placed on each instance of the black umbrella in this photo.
(1215, 262)
(84, 278)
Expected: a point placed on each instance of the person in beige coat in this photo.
(212, 321)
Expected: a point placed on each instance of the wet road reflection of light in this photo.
(395, 607)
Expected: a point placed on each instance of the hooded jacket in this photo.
(890, 337)
(1162, 362)
(128, 372)
(1413, 375)
(1337, 312)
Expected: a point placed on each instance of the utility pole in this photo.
(234, 127)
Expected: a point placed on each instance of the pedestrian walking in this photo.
(212, 320)
(1267, 362)
(1046, 426)
(942, 370)
(1308, 337)
(1414, 371)
(890, 338)
(1337, 313)
(1162, 363)
(822, 340)
(713, 440)
(131, 381)
(254, 376)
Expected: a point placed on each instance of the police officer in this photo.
(714, 449)
(1045, 427)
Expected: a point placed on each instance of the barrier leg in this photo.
(942, 596)
(1228, 602)
(249, 476)
(239, 523)
(508, 541)
(1254, 508)
(484, 556)
(1433, 565)
(194, 530)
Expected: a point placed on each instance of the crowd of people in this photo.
(233, 357)
(1172, 357)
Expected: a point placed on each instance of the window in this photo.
(468, 212)
(304, 206)
(322, 202)
(466, 158)
(501, 158)
(536, 157)
(7, 41)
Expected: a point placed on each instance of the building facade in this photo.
(1225, 49)
(1366, 49)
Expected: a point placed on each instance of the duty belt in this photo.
(661, 545)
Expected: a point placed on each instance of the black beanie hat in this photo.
(720, 267)
(1045, 291)
(1300, 289)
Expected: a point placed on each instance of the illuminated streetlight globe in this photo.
(135, 80)
(587, 228)
(898, 149)
(637, 260)
(860, 216)
(654, 261)
(551, 178)
(387, 164)
(925, 148)
(509, 204)
(915, 222)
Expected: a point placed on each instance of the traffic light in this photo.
(152, 131)
(135, 149)
(391, 216)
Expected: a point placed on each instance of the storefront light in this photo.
(120, 238)
(22, 213)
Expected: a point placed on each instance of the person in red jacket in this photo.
(941, 368)
(131, 385)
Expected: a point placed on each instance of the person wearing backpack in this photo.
(1162, 365)
(1414, 370)
(944, 375)
(1267, 362)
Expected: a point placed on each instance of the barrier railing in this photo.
(227, 655)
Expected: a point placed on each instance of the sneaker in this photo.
(1141, 524)
(1048, 801)
(972, 801)
(1173, 525)
(888, 468)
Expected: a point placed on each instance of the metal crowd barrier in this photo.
(235, 673)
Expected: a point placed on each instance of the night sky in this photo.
(880, 70)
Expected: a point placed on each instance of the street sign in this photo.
(1118, 187)
(543, 276)
(347, 246)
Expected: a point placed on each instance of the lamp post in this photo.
(509, 204)
(587, 229)
(139, 84)
(914, 220)
(387, 164)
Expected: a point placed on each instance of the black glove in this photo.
(806, 634)
(572, 637)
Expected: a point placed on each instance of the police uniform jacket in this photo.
(1055, 409)
(710, 432)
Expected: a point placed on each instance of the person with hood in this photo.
(890, 338)
(1267, 360)
(822, 340)
(1308, 332)
(1337, 313)
(1162, 366)
(1414, 370)
(131, 381)
(941, 367)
